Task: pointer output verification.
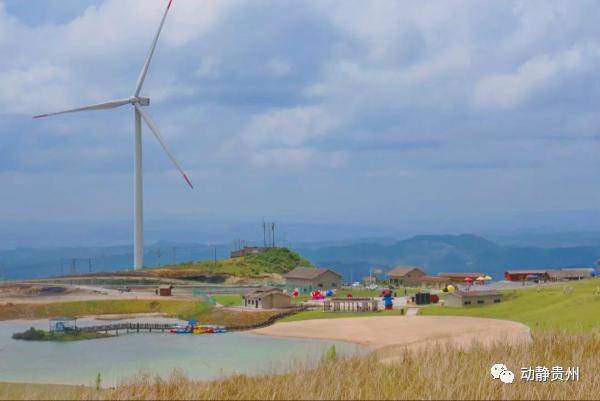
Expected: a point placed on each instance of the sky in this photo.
(436, 115)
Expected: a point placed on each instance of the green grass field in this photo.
(102, 307)
(228, 299)
(542, 308)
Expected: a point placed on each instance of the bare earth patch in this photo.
(389, 334)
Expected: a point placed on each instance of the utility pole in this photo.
(90, 265)
(273, 233)
(158, 255)
(215, 254)
(264, 234)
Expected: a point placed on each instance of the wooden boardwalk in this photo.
(128, 328)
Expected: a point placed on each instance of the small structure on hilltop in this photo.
(307, 279)
(459, 299)
(406, 276)
(248, 250)
(350, 305)
(63, 323)
(460, 277)
(267, 298)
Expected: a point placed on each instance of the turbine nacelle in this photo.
(142, 101)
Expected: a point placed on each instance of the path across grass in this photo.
(571, 306)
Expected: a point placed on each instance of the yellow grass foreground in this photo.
(441, 372)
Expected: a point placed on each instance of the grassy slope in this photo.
(547, 308)
(103, 307)
(276, 260)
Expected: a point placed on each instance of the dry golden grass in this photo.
(438, 373)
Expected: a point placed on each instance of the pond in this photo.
(118, 358)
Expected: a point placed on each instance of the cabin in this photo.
(406, 276)
(576, 273)
(461, 299)
(308, 279)
(459, 277)
(531, 274)
(267, 298)
(368, 280)
(165, 290)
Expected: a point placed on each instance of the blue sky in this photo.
(447, 115)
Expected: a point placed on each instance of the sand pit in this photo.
(387, 334)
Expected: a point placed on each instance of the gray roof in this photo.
(308, 273)
(264, 292)
(461, 274)
(529, 271)
(401, 271)
(468, 294)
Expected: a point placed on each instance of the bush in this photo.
(30, 335)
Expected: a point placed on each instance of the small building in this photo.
(460, 299)
(368, 280)
(434, 282)
(247, 250)
(308, 279)
(267, 298)
(459, 277)
(407, 276)
(576, 273)
(531, 274)
(63, 323)
(165, 290)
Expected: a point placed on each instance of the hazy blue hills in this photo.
(437, 253)
(353, 259)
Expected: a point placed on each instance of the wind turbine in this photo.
(140, 114)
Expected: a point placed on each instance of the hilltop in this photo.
(271, 264)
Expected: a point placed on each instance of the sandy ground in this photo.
(84, 293)
(389, 334)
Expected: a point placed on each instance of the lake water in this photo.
(118, 358)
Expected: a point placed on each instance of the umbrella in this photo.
(480, 278)
(487, 278)
(468, 279)
(451, 288)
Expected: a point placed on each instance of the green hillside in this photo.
(273, 261)
(572, 306)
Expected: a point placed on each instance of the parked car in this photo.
(356, 284)
(372, 286)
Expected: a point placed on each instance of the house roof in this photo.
(576, 272)
(401, 271)
(472, 294)
(308, 273)
(434, 279)
(264, 292)
(460, 274)
(530, 271)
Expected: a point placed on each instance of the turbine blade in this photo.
(162, 142)
(100, 106)
(142, 76)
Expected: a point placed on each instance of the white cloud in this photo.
(538, 73)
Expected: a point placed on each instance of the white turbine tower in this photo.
(137, 102)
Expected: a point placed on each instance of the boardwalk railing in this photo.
(127, 327)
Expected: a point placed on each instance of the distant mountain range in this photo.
(436, 253)
(353, 259)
